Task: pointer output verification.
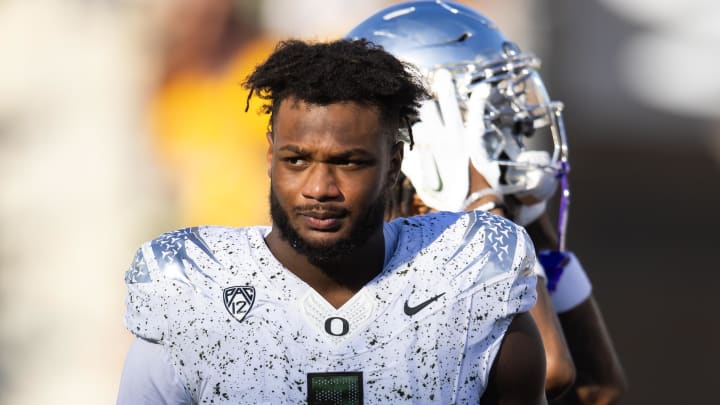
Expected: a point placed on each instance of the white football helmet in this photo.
(522, 132)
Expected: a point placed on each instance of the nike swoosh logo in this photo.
(410, 311)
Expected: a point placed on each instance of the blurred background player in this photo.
(502, 148)
(212, 152)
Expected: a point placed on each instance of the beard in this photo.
(323, 254)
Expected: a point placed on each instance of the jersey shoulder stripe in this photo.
(172, 268)
(462, 241)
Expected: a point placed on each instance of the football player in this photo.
(331, 304)
(492, 139)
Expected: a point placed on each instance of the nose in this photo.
(321, 183)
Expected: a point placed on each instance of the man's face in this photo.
(330, 167)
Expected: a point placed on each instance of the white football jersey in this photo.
(238, 327)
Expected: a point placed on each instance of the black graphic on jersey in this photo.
(238, 300)
(344, 388)
(332, 323)
(410, 311)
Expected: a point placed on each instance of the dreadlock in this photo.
(339, 71)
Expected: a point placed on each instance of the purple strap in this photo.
(564, 204)
(554, 263)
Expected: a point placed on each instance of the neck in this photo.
(336, 281)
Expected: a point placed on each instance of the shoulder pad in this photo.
(170, 250)
(481, 236)
(162, 259)
(145, 305)
(138, 271)
(482, 247)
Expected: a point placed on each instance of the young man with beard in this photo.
(331, 304)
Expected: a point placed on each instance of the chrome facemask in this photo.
(524, 129)
(519, 118)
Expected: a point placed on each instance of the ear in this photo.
(269, 155)
(396, 156)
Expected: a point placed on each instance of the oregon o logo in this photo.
(337, 326)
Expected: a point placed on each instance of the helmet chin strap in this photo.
(525, 214)
(531, 177)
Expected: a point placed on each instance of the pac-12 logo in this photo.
(238, 300)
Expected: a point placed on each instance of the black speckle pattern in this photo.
(480, 263)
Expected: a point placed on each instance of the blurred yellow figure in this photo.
(214, 150)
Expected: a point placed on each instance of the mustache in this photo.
(321, 210)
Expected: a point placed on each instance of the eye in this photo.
(295, 161)
(352, 163)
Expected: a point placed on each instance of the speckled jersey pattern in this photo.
(240, 327)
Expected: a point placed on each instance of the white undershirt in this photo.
(149, 377)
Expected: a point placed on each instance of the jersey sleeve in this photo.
(146, 310)
(522, 293)
(148, 377)
(539, 269)
(493, 252)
